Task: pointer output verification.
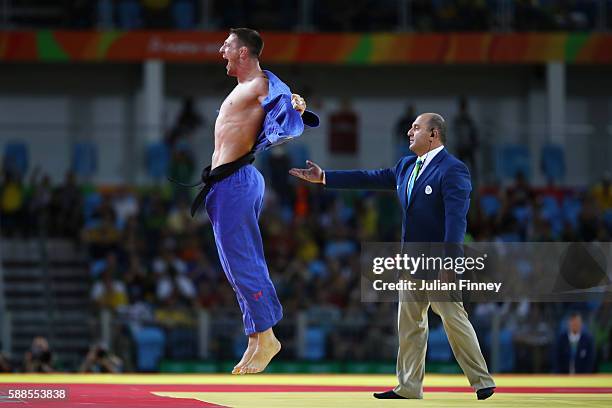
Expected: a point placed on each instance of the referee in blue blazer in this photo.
(433, 188)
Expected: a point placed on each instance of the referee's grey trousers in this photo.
(413, 331)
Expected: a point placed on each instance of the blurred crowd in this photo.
(458, 15)
(152, 264)
(318, 15)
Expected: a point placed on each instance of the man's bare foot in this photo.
(248, 353)
(267, 347)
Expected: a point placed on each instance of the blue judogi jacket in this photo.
(282, 122)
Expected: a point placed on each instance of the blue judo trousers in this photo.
(233, 206)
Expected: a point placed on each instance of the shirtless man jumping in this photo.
(258, 113)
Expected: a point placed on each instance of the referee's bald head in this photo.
(436, 122)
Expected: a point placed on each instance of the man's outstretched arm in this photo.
(383, 179)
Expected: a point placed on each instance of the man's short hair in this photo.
(250, 39)
(437, 122)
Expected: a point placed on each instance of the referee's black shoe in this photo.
(485, 393)
(388, 395)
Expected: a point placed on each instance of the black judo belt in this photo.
(210, 177)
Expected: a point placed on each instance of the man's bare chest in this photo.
(239, 99)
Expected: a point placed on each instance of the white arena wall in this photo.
(50, 106)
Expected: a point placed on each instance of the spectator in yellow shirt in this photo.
(602, 193)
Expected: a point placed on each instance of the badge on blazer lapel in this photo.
(428, 190)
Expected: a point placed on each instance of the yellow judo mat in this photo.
(293, 390)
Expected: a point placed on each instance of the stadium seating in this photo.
(512, 160)
(490, 205)
(84, 159)
(552, 163)
(551, 212)
(183, 14)
(316, 339)
(181, 343)
(150, 343)
(438, 348)
(130, 14)
(158, 161)
(16, 158)
(571, 209)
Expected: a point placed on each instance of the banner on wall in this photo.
(365, 49)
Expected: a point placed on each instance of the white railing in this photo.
(5, 317)
(6, 325)
(203, 319)
(301, 321)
